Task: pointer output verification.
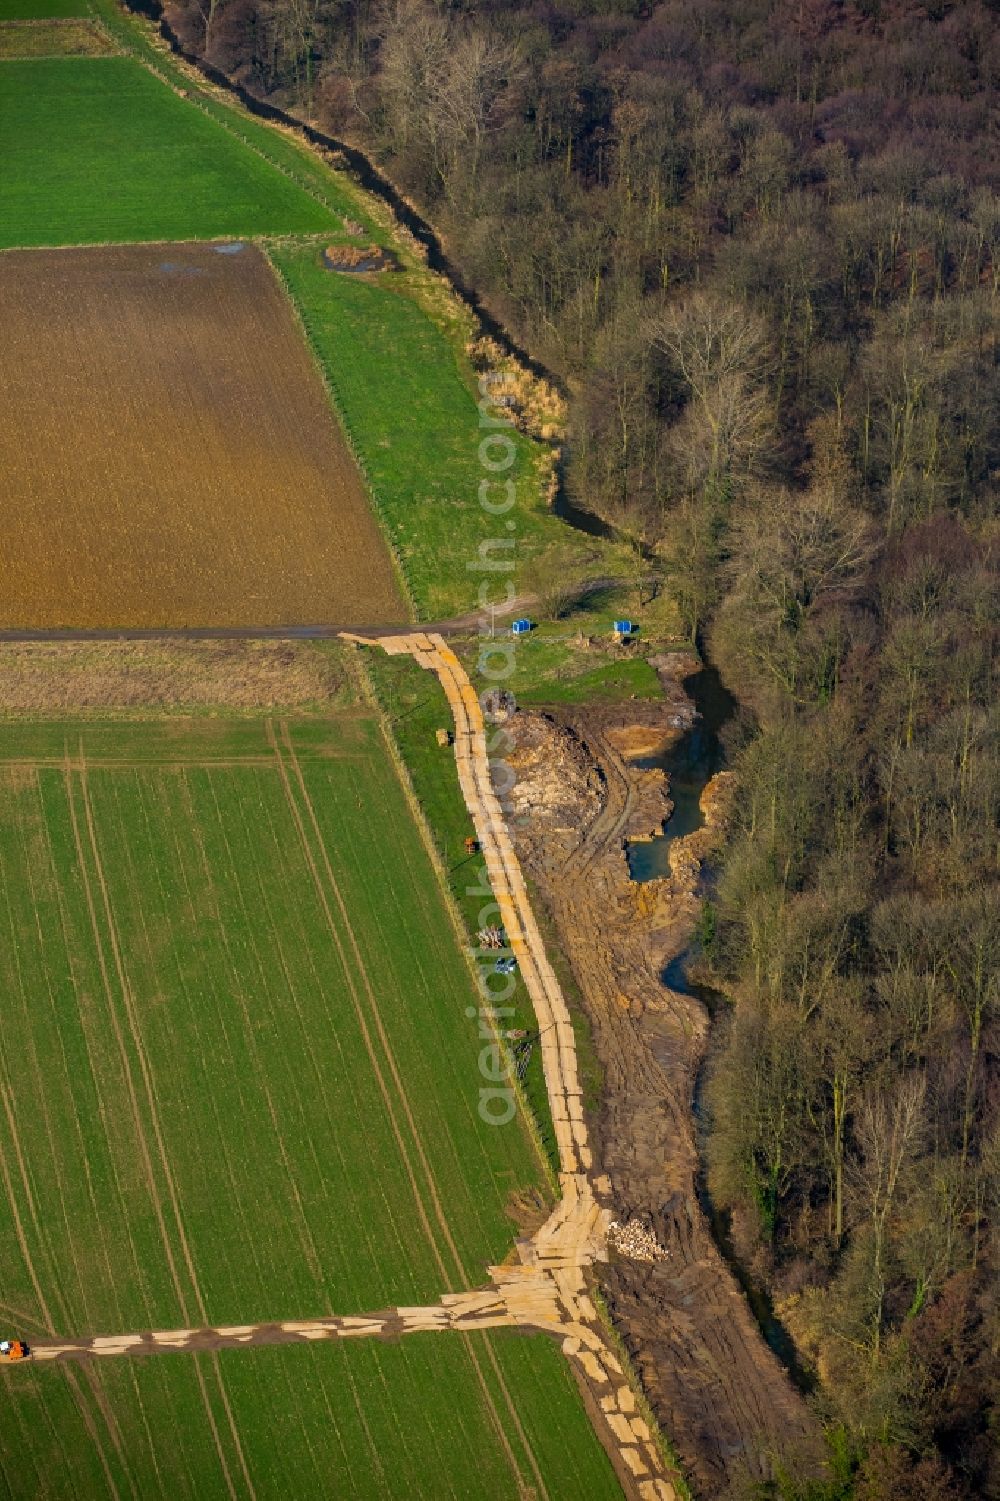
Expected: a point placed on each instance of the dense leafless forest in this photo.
(759, 241)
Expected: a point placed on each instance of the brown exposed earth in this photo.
(363, 258)
(50, 679)
(170, 455)
(53, 36)
(720, 1393)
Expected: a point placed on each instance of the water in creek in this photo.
(777, 1336)
(689, 765)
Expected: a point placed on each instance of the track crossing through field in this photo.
(105, 933)
(544, 1290)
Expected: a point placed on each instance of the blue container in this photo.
(521, 627)
(625, 627)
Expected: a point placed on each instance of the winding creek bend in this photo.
(720, 1391)
(689, 765)
(714, 1382)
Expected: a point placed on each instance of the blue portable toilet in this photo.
(521, 627)
(625, 628)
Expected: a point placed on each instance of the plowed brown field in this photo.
(170, 456)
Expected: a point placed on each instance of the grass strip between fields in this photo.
(415, 708)
(414, 424)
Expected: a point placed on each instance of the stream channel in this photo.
(689, 765)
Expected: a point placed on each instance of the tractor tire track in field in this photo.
(281, 750)
(47, 1322)
(99, 943)
(154, 1115)
(547, 1290)
(390, 1054)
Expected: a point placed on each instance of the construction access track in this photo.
(720, 1393)
(546, 1289)
(717, 1389)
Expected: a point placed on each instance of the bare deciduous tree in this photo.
(887, 1128)
(719, 350)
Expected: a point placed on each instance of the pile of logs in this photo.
(635, 1241)
(491, 938)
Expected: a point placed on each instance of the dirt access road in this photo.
(722, 1397)
(718, 1390)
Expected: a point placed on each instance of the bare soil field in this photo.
(127, 679)
(171, 456)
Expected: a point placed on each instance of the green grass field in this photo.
(284, 150)
(363, 1420)
(208, 1135)
(414, 422)
(99, 150)
(39, 10)
(179, 973)
(205, 1122)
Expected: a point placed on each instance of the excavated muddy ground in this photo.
(718, 1390)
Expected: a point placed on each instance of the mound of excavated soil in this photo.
(719, 1391)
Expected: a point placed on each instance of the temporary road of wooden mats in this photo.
(547, 1290)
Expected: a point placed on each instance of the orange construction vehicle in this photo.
(13, 1349)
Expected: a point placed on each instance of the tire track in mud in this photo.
(612, 817)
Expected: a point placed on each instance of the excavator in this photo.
(13, 1349)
